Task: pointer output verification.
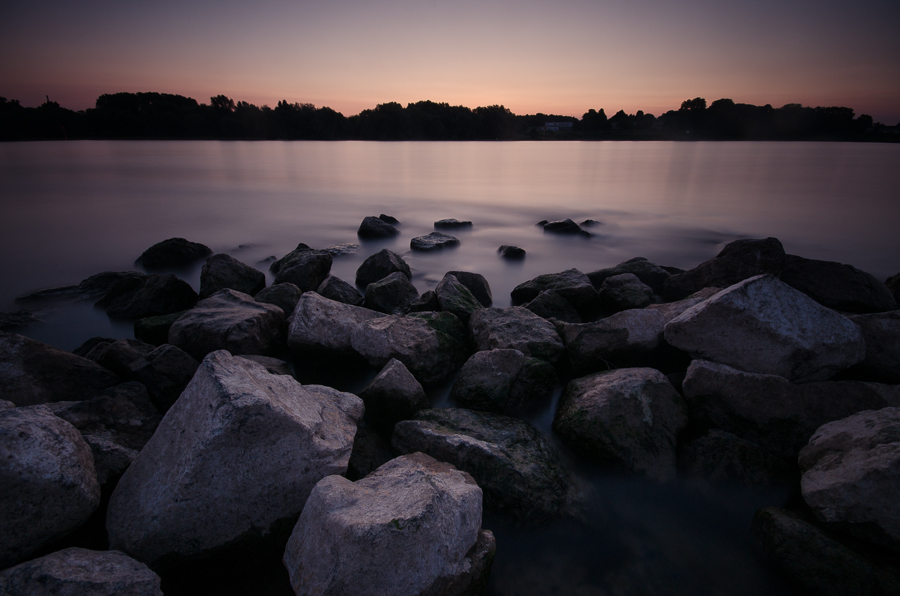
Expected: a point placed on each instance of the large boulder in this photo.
(503, 381)
(431, 345)
(739, 260)
(393, 395)
(851, 475)
(670, 310)
(374, 228)
(629, 417)
(83, 572)
(649, 273)
(835, 285)
(455, 297)
(771, 411)
(284, 295)
(624, 292)
(228, 320)
(424, 518)
(165, 372)
(881, 332)
(172, 253)
(35, 373)
(515, 328)
(231, 462)
(433, 241)
(616, 340)
(379, 266)
(150, 296)
(223, 271)
(391, 295)
(325, 325)
(335, 288)
(49, 483)
(572, 284)
(477, 284)
(762, 325)
(513, 463)
(304, 267)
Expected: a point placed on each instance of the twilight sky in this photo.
(532, 56)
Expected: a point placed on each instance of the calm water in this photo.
(69, 210)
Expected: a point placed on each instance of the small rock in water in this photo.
(174, 252)
(433, 241)
(17, 320)
(590, 222)
(389, 219)
(224, 271)
(511, 252)
(379, 266)
(373, 227)
(565, 226)
(391, 295)
(451, 224)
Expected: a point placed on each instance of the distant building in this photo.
(557, 127)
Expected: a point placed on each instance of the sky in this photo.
(562, 57)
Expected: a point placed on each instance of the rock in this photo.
(223, 271)
(335, 288)
(92, 288)
(550, 305)
(155, 330)
(370, 451)
(373, 228)
(34, 373)
(110, 461)
(228, 320)
(303, 267)
(513, 463)
(739, 260)
(670, 310)
(851, 475)
(590, 223)
(451, 224)
(343, 249)
(720, 456)
(812, 560)
(88, 346)
(83, 572)
(516, 328)
(881, 332)
(769, 410)
(454, 297)
(231, 463)
(379, 266)
(389, 219)
(433, 241)
(431, 345)
(425, 517)
(6, 405)
(762, 325)
(322, 324)
(427, 302)
(393, 395)
(573, 285)
(150, 296)
(624, 292)
(17, 320)
(391, 295)
(841, 287)
(284, 295)
(629, 417)
(118, 356)
(49, 484)
(165, 372)
(893, 284)
(477, 284)
(649, 273)
(503, 381)
(564, 226)
(172, 253)
(511, 252)
(614, 341)
(274, 366)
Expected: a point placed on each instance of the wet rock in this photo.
(649, 273)
(228, 320)
(769, 410)
(304, 267)
(391, 295)
(223, 271)
(477, 284)
(503, 381)
(370, 451)
(119, 355)
(379, 266)
(762, 325)
(851, 475)
(84, 349)
(454, 297)
(389, 219)
(624, 292)
(893, 284)
(34, 373)
(6, 405)
(155, 330)
(564, 226)
(629, 417)
(257, 442)
(614, 341)
(881, 332)
(165, 372)
(812, 560)
(425, 517)
(451, 224)
(513, 463)
(511, 252)
(322, 324)
(92, 288)
(110, 461)
(719, 456)
(670, 310)
(550, 305)
(172, 253)
(393, 395)
(284, 295)
(150, 296)
(81, 571)
(341, 250)
(427, 302)
(374, 228)
(835, 285)
(739, 260)
(274, 366)
(515, 328)
(335, 288)
(573, 285)
(431, 345)
(433, 241)
(17, 320)
(49, 484)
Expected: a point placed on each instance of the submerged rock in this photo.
(149, 296)
(511, 252)
(223, 271)
(564, 226)
(433, 241)
(174, 252)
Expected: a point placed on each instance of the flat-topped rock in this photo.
(454, 297)
(174, 253)
(503, 381)
(433, 241)
(615, 340)
(451, 224)
(374, 228)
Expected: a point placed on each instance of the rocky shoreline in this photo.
(131, 465)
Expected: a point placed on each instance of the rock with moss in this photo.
(503, 381)
(155, 330)
(477, 284)
(454, 297)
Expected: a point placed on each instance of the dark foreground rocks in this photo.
(174, 253)
(223, 271)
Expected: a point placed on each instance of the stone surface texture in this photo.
(835, 285)
(150, 296)
(322, 324)
(516, 328)
(572, 284)
(454, 297)
(623, 292)
(174, 252)
(433, 241)
(503, 381)
(335, 288)
(393, 395)
(391, 295)
(223, 271)
(284, 295)
(649, 273)
(614, 340)
(304, 267)
(881, 333)
(379, 266)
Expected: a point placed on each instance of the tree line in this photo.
(168, 116)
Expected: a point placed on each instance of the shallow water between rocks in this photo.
(69, 210)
